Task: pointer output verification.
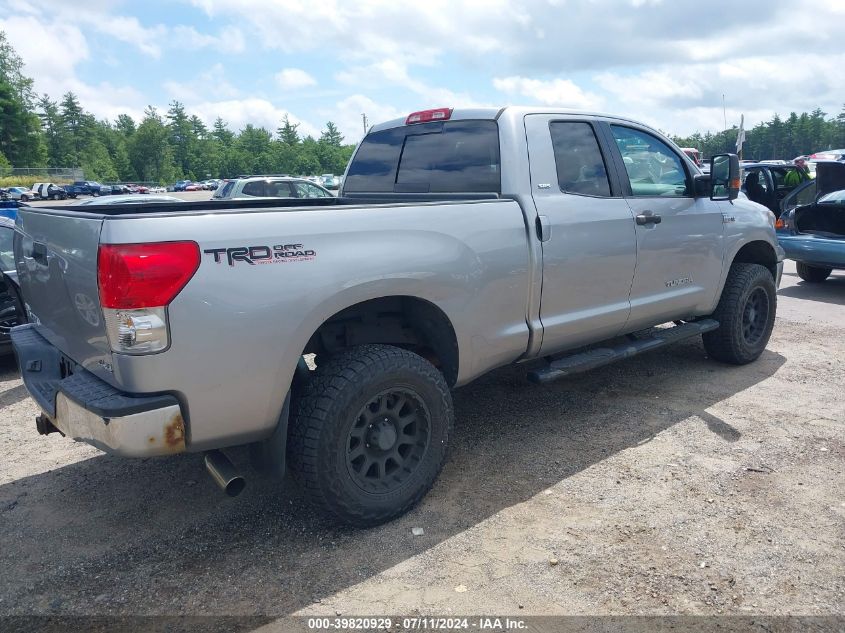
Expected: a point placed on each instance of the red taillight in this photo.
(144, 275)
(424, 116)
(780, 224)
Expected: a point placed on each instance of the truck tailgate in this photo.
(56, 260)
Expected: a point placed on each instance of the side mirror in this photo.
(724, 177)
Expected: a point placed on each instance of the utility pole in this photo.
(364, 117)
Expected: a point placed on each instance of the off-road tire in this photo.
(729, 342)
(813, 274)
(331, 404)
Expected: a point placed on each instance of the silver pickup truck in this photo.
(461, 241)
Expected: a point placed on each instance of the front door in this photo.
(589, 252)
(679, 237)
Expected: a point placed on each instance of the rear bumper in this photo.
(87, 409)
(812, 249)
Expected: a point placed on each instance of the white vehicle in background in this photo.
(270, 187)
(49, 191)
(329, 181)
(21, 193)
(127, 199)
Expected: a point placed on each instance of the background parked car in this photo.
(128, 199)
(270, 187)
(20, 193)
(811, 228)
(329, 181)
(87, 188)
(765, 183)
(49, 191)
(118, 190)
(180, 185)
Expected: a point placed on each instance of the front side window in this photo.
(580, 165)
(307, 190)
(653, 168)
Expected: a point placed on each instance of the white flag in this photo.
(740, 136)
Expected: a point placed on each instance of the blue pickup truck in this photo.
(811, 227)
(87, 188)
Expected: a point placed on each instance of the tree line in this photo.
(796, 135)
(163, 147)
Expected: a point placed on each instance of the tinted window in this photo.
(653, 168)
(255, 188)
(451, 157)
(226, 189)
(580, 166)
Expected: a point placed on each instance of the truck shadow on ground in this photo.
(830, 291)
(112, 536)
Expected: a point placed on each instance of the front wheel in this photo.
(813, 274)
(369, 433)
(746, 315)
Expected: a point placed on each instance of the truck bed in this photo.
(257, 204)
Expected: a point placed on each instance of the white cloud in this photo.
(346, 114)
(557, 92)
(209, 83)
(294, 79)
(47, 59)
(230, 40)
(238, 112)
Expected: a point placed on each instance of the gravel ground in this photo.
(667, 484)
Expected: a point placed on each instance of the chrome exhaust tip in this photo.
(224, 473)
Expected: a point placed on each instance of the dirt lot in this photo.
(666, 484)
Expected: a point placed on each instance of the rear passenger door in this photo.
(679, 237)
(589, 244)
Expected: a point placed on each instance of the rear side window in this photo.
(225, 190)
(255, 188)
(277, 189)
(580, 165)
(451, 157)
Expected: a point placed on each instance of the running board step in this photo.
(597, 357)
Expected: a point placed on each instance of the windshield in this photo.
(834, 197)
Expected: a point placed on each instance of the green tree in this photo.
(182, 138)
(21, 140)
(220, 130)
(11, 71)
(149, 150)
(51, 124)
(288, 132)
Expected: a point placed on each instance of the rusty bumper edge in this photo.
(155, 432)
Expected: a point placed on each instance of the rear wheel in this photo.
(369, 433)
(24, 198)
(813, 274)
(746, 315)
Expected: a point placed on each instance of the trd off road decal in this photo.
(252, 255)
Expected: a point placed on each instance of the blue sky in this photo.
(667, 62)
